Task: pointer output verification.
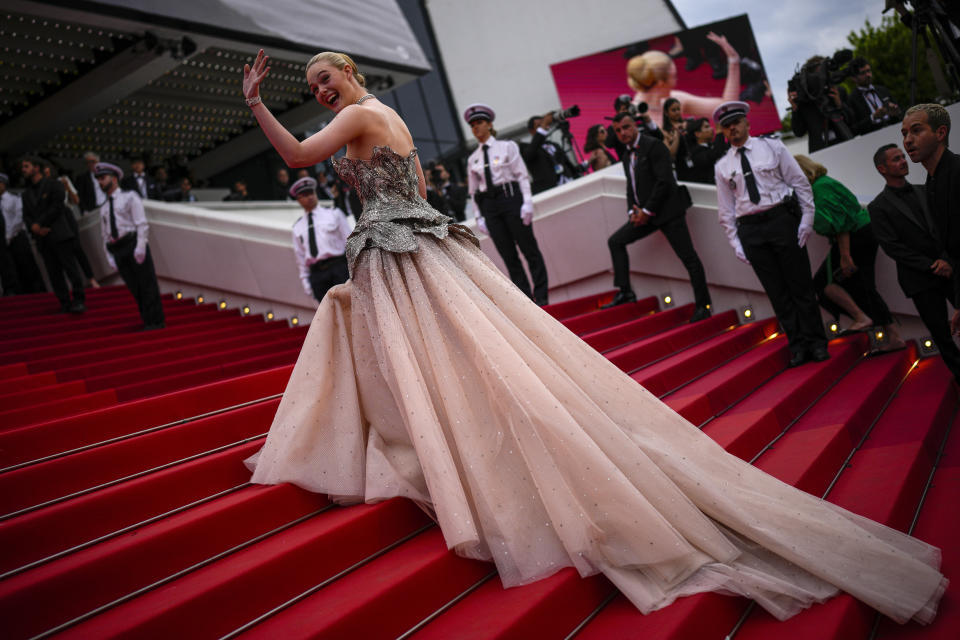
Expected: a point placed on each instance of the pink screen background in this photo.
(593, 82)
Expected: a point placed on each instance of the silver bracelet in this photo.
(252, 101)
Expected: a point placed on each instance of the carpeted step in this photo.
(61, 477)
(38, 395)
(120, 315)
(633, 330)
(54, 410)
(14, 370)
(884, 483)
(29, 382)
(661, 377)
(54, 529)
(549, 608)
(37, 441)
(744, 429)
(730, 383)
(579, 306)
(215, 599)
(604, 318)
(638, 354)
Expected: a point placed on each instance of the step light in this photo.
(746, 312)
(927, 346)
(200, 298)
(878, 335)
(222, 305)
(178, 295)
(268, 315)
(294, 321)
(834, 328)
(667, 299)
(245, 309)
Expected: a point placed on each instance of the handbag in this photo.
(124, 246)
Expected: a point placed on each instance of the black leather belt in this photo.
(763, 216)
(505, 190)
(326, 263)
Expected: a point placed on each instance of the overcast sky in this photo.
(788, 32)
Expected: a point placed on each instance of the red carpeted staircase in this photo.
(125, 509)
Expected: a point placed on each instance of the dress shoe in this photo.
(153, 327)
(622, 297)
(700, 313)
(819, 354)
(798, 359)
(541, 302)
(77, 307)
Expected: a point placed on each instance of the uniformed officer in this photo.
(498, 182)
(123, 224)
(319, 241)
(765, 205)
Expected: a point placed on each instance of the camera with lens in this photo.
(624, 101)
(436, 176)
(813, 83)
(563, 114)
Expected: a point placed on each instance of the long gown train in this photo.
(429, 375)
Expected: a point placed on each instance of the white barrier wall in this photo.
(242, 252)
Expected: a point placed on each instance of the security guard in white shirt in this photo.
(498, 182)
(319, 241)
(124, 227)
(760, 188)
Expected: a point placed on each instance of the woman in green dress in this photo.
(846, 279)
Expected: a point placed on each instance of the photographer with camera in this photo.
(871, 106)
(446, 197)
(818, 103)
(546, 161)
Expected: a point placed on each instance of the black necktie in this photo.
(748, 176)
(113, 221)
(486, 167)
(313, 239)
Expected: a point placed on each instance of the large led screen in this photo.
(690, 65)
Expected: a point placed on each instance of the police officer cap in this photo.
(4, 178)
(478, 111)
(729, 111)
(107, 169)
(303, 185)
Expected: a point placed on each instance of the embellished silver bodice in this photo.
(393, 211)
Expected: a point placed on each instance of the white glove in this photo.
(140, 254)
(111, 262)
(482, 225)
(803, 234)
(741, 256)
(526, 213)
(307, 290)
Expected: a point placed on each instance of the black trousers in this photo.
(78, 251)
(783, 268)
(59, 259)
(141, 280)
(678, 235)
(328, 273)
(28, 273)
(502, 215)
(932, 307)
(9, 278)
(862, 285)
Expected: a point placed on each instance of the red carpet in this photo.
(125, 509)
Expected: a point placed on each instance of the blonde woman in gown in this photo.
(429, 375)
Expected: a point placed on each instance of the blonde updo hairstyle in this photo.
(338, 60)
(646, 70)
(810, 167)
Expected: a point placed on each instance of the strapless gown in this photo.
(429, 375)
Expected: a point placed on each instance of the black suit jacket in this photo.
(656, 188)
(43, 205)
(906, 236)
(943, 198)
(861, 122)
(542, 165)
(86, 192)
(129, 183)
(808, 120)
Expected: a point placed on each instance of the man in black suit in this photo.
(907, 230)
(139, 181)
(88, 189)
(654, 203)
(45, 216)
(871, 106)
(547, 163)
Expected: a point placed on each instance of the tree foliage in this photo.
(888, 49)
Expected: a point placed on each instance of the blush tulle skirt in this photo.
(429, 375)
